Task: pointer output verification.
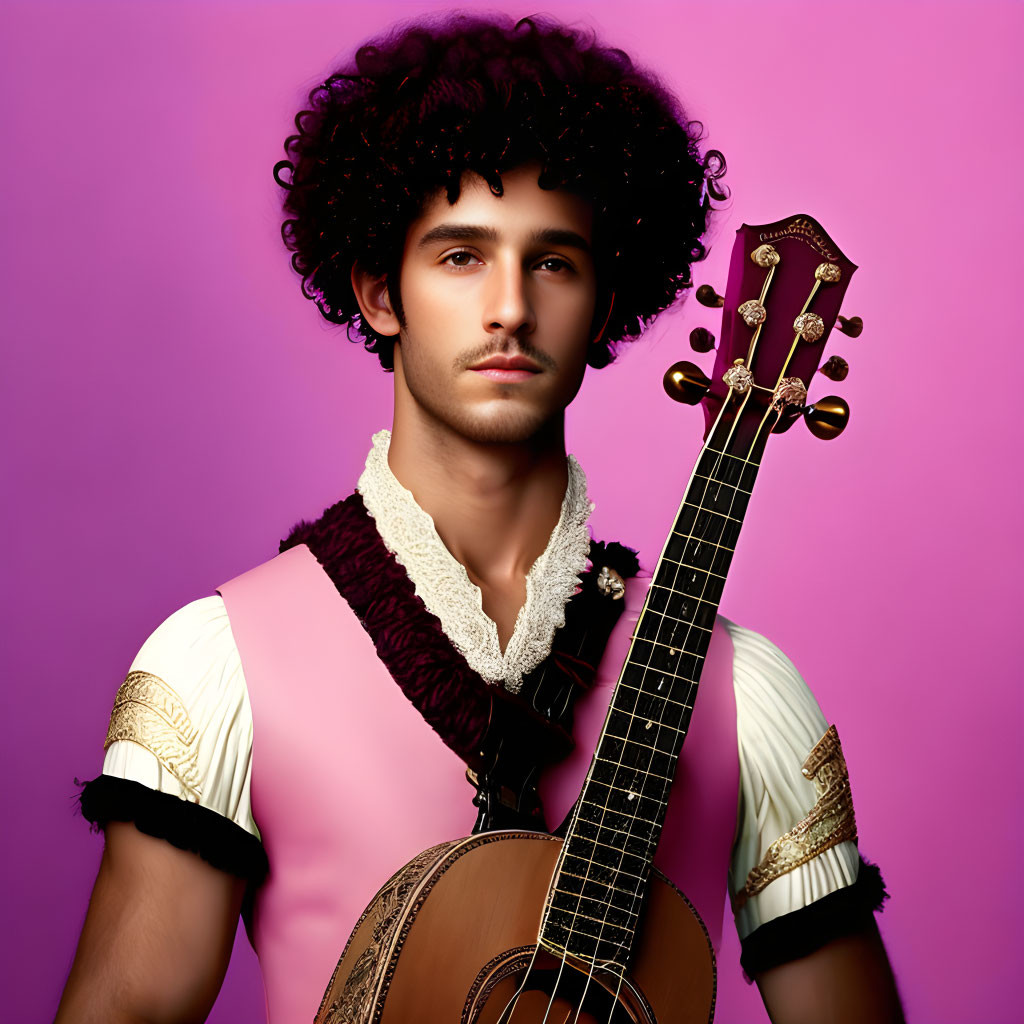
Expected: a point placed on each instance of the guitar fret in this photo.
(591, 863)
(650, 693)
(688, 597)
(720, 483)
(712, 511)
(624, 823)
(646, 747)
(634, 768)
(646, 719)
(637, 796)
(729, 455)
(635, 743)
(701, 540)
(586, 917)
(665, 744)
(602, 903)
(618, 849)
(694, 568)
(669, 647)
(575, 915)
(622, 832)
(699, 568)
(583, 879)
(682, 622)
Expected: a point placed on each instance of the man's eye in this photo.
(554, 263)
(459, 259)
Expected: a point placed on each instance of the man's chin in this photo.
(505, 426)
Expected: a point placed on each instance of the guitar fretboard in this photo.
(596, 896)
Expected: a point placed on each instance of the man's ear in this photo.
(371, 291)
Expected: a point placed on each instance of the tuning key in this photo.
(701, 340)
(835, 368)
(827, 418)
(707, 296)
(851, 326)
(686, 382)
(788, 416)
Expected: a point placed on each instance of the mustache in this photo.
(505, 346)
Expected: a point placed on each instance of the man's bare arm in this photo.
(157, 936)
(847, 981)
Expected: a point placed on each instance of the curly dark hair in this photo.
(431, 99)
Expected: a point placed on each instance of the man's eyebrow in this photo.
(479, 233)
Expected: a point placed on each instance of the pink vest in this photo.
(349, 782)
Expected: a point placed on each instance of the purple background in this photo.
(175, 406)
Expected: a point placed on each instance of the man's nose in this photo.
(509, 309)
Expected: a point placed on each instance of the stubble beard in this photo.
(504, 419)
(500, 422)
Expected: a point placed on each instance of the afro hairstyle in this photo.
(434, 98)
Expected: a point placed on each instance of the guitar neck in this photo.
(597, 893)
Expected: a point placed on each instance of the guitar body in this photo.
(452, 937)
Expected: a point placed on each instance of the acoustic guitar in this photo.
(517, 927)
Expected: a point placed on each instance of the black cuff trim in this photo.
(803, 931)
(219, 841)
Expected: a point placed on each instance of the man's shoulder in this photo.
(763, 671)
(189, 652)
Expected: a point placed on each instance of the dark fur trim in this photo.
(409, 640)
(800, 933)
(502, 737)
(616, 556)
(435, 677)
(220, 842)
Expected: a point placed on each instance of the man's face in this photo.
(498, 294)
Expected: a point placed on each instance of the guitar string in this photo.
(692, 684)
(687, 703)
(691, 691)
(709, 478)
(639, 894)
(746, 460)
(509, 1012)
(579, 806)
(514, 1002)
(636, 707)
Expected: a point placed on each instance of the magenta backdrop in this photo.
(176, 406)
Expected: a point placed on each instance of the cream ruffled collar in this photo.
(444, 586)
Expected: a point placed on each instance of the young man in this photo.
(491, 207)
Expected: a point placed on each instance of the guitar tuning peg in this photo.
(835, 368)
(707, 296)
(685, 382)
(851, 326)
(827, 418)
(790, 414)
(701, 340)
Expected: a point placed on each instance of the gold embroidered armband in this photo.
(829, 822)
(148, 712)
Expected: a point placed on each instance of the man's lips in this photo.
(507, 368)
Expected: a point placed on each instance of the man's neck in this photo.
(494, 505)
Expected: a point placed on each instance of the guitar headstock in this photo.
(786, 283)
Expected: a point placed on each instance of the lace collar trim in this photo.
(443, 585)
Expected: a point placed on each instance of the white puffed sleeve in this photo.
(783, 817)
(181, 722)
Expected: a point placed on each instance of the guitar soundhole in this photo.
(518, 988)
